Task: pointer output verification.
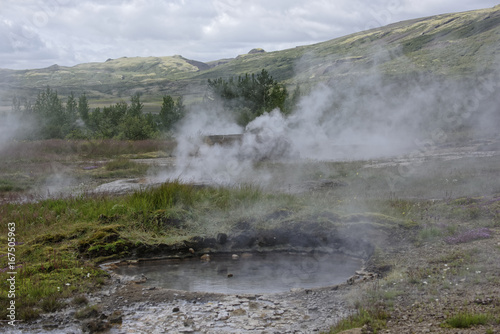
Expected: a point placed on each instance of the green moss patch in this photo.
(105, 242)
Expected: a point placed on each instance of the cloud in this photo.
(68, 32)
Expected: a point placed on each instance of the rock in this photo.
(239, 312)
(224, 315)
(205, 258)
(50, 326)
(116, 317)
(95, 326)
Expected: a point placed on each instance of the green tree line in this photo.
(249, 96)
(76, 120)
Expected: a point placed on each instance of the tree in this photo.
(250, 95)
(135, 128)
(136, 105)
(50, 114)
(83, 108)
(120, 120)
(171, 112)
(71, 114)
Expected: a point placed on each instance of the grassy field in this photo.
(34, 168)
(59, 241)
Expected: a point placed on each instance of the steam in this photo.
(11, 127)
(356, 119)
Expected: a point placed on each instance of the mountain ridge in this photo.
(449, 45)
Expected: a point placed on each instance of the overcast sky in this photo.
(40, 33)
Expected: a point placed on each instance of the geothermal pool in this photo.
(255, 273)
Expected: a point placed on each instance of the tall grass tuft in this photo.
(467, 320)
(164, 197)
(375, 318)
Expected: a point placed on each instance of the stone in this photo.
(94, 326)
(116, 317)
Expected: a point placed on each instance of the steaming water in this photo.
(260, 273)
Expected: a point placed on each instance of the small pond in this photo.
(249, 273)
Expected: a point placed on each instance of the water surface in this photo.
(260, 273)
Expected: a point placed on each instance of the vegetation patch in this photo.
(120, 164)
(8, 185)
(87, 312)
(469, 235)
(62, 240)
(468, 319)
(49, 238)
(375, 319)
(105, 242)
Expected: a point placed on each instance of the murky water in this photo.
(258, 273)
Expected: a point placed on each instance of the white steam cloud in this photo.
(361, 119)
(11, 127)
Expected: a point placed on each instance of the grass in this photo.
(121, 168)
(9, 185)
(376, 319)
(38, 168)
(58, 149)
(87, 312)
(468, 320)
(62, 240)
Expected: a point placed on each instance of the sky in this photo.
(40, 33)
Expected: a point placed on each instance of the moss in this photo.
(105, 241)
(163, 220)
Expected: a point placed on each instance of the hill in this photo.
(449, 45)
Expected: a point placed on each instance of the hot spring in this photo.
(270, 272)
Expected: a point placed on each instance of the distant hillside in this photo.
(448, 45)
